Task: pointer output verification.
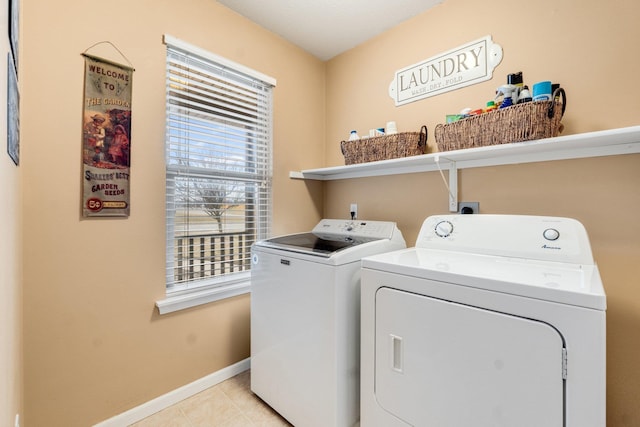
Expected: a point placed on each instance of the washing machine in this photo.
(489, 321)
(305, 319)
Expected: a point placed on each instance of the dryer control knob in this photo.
(444, 228)
(551, 234)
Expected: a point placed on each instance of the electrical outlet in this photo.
(469, 207)
(354, 210)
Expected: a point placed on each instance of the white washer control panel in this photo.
(355, 228)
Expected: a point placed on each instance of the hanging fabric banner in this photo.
(106, 138)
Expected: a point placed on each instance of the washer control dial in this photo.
(444, 228)
(551, 234)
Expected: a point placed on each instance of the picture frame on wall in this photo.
(14, 30)
(13, 112)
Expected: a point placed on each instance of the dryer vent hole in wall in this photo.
(469, 207)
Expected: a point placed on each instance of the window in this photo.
(218, 171)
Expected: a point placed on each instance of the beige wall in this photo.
(584, 45)
(94, 343)
(10, 266)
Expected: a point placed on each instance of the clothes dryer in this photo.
(490, 321)
(305, 319)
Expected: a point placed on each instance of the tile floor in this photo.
(228, 404)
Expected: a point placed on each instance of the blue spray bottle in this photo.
(507, 91)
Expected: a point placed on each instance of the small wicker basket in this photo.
(393, 146)
(521, 122)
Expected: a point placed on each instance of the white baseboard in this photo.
(159, 403)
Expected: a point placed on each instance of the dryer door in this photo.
(439, 363)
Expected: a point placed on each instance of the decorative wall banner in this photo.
(106, 137)
(463, 66)
(13, 112)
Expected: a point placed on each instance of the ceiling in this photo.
(326, 28)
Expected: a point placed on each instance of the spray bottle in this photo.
(507, 91)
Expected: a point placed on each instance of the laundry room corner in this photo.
(599, 191)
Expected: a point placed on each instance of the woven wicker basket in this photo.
(521, 122)
(385, 147)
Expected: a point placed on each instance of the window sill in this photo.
(193, 299)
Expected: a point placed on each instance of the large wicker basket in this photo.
(521, 122)
(385, 147)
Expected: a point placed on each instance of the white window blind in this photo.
(218, 167)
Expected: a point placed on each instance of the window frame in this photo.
(211, 289)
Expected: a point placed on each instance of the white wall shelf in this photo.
(592, 144)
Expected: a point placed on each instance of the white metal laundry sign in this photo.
(463, 66)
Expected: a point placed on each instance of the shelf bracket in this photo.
(453, 187)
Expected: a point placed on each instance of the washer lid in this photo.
(334, 236)
(314, 244)
(564, 283)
